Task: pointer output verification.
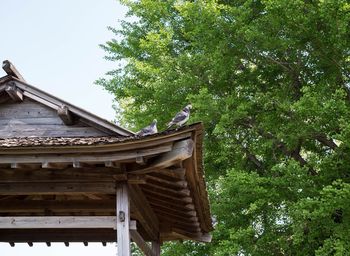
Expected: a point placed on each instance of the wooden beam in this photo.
(123, 219)
(58, 222)
(179, 225)
(69, 175)
(144, 247)
(18, 174)
(61, 222)
(56, 206)
(162, 195)
(91, 157)
(166, 207)
(11, 70)
(65, 115)
(136, 179)
(182, 150)
(50, 188)
(165, 182)
(144, 212)
(200, 237)
(15, 93)
(178, 173)
(156, 201)
(169, 191)
(181, 218)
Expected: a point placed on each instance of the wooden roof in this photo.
(17, 97)
(164, 173)
(61, 176)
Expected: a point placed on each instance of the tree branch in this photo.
(295, 153)
(322, 138)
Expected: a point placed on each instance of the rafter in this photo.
(14, 92)
(11, 70)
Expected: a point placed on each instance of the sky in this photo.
(54, 45)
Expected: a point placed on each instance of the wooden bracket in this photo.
(145, 214)
(144, 247)
(181, 150)
(14, 92)
(11, 70)
(66, 116)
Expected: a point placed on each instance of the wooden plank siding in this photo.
(30, 118)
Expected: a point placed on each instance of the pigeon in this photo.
(181, 117)
(148, 130)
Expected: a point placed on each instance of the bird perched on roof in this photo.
(148, 130)
(181, 117)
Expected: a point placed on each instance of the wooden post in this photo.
(123, 219)
(156, 248)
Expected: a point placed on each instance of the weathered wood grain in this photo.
(146, 216)
(15, 93)
(123, 219)
(30, 118)
(54, 188)
(138, 239)
(58, 222)
(56, 206)
(182, 150)
(54, 103)
(66, 116)
(83, 158)
(156, 248)
(11, 70)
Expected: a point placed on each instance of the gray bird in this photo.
(181, 118)
(148, 130)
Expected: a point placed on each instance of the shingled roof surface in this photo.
(77, 141)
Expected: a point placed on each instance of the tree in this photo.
(270, 81)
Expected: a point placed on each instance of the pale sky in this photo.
(54, 45)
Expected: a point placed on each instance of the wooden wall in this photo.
(30, 118)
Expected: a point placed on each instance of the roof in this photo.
(24, 90)
(172, 181)
(37, 141)
(64, 176)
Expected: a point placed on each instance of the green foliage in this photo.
(270, 81)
